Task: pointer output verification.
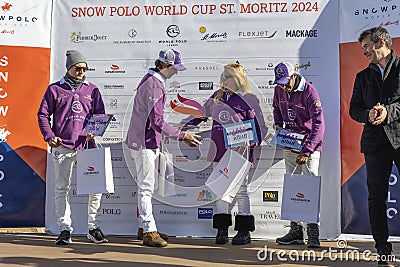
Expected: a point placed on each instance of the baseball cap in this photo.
(283, 72)
(171, 57)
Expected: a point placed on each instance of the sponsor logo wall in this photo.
(121, 41)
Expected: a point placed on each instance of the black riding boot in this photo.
(244, 224)
(221, 222)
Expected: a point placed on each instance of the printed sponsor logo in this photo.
(172, 32)
(8, 9)
(206, 86)
(175, 87)
(3, 134)
(120, 177)
(202, 175)
(389, 22)
(113, 103)
(267, 100)
(112, 139)
(270, 67)
(204, 213)
(270, 196)
(7, 31)
(207, 68)
(114, 87)
(374, 12)
(270, 215)
(179, 179)
(114, 68)
(111, 196)
(180, 195)
(78, 37)
(204, 195)
(173, 212)
(265, 87)
(90, 170)
(116, 158)
(304, 66)
(112, 211)
(302, 33)
(114, 124)
(215, 37)
(261, 34)
(132, 34)
(300, 197)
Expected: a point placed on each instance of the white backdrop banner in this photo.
(121, 41)
(24, 76)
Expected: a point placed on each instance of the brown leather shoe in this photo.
(153, 239)
(140, 235)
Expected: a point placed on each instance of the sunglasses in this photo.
(79, 69)
(225, 77)
(283, 85)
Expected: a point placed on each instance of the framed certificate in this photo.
(97, 124)
(237, 134)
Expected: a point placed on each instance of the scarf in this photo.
(74, 83)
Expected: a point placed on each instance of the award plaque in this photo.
(289, 140)
(97, 124)
(237, 134)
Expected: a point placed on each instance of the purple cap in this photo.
(172, 57)
(283, 72)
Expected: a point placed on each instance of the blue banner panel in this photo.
(355, 218)
(22, 191)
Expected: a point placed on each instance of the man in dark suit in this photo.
(376, 104)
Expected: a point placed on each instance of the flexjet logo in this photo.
(261, 34)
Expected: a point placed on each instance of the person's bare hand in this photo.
(55, 141)
(301, 158)
(90, 136)
(372, 114)
(381, 114)
(191, 139)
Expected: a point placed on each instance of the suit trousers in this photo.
(379, 168)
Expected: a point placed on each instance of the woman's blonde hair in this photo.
(239, 75)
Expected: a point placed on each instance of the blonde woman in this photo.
(233, 102)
